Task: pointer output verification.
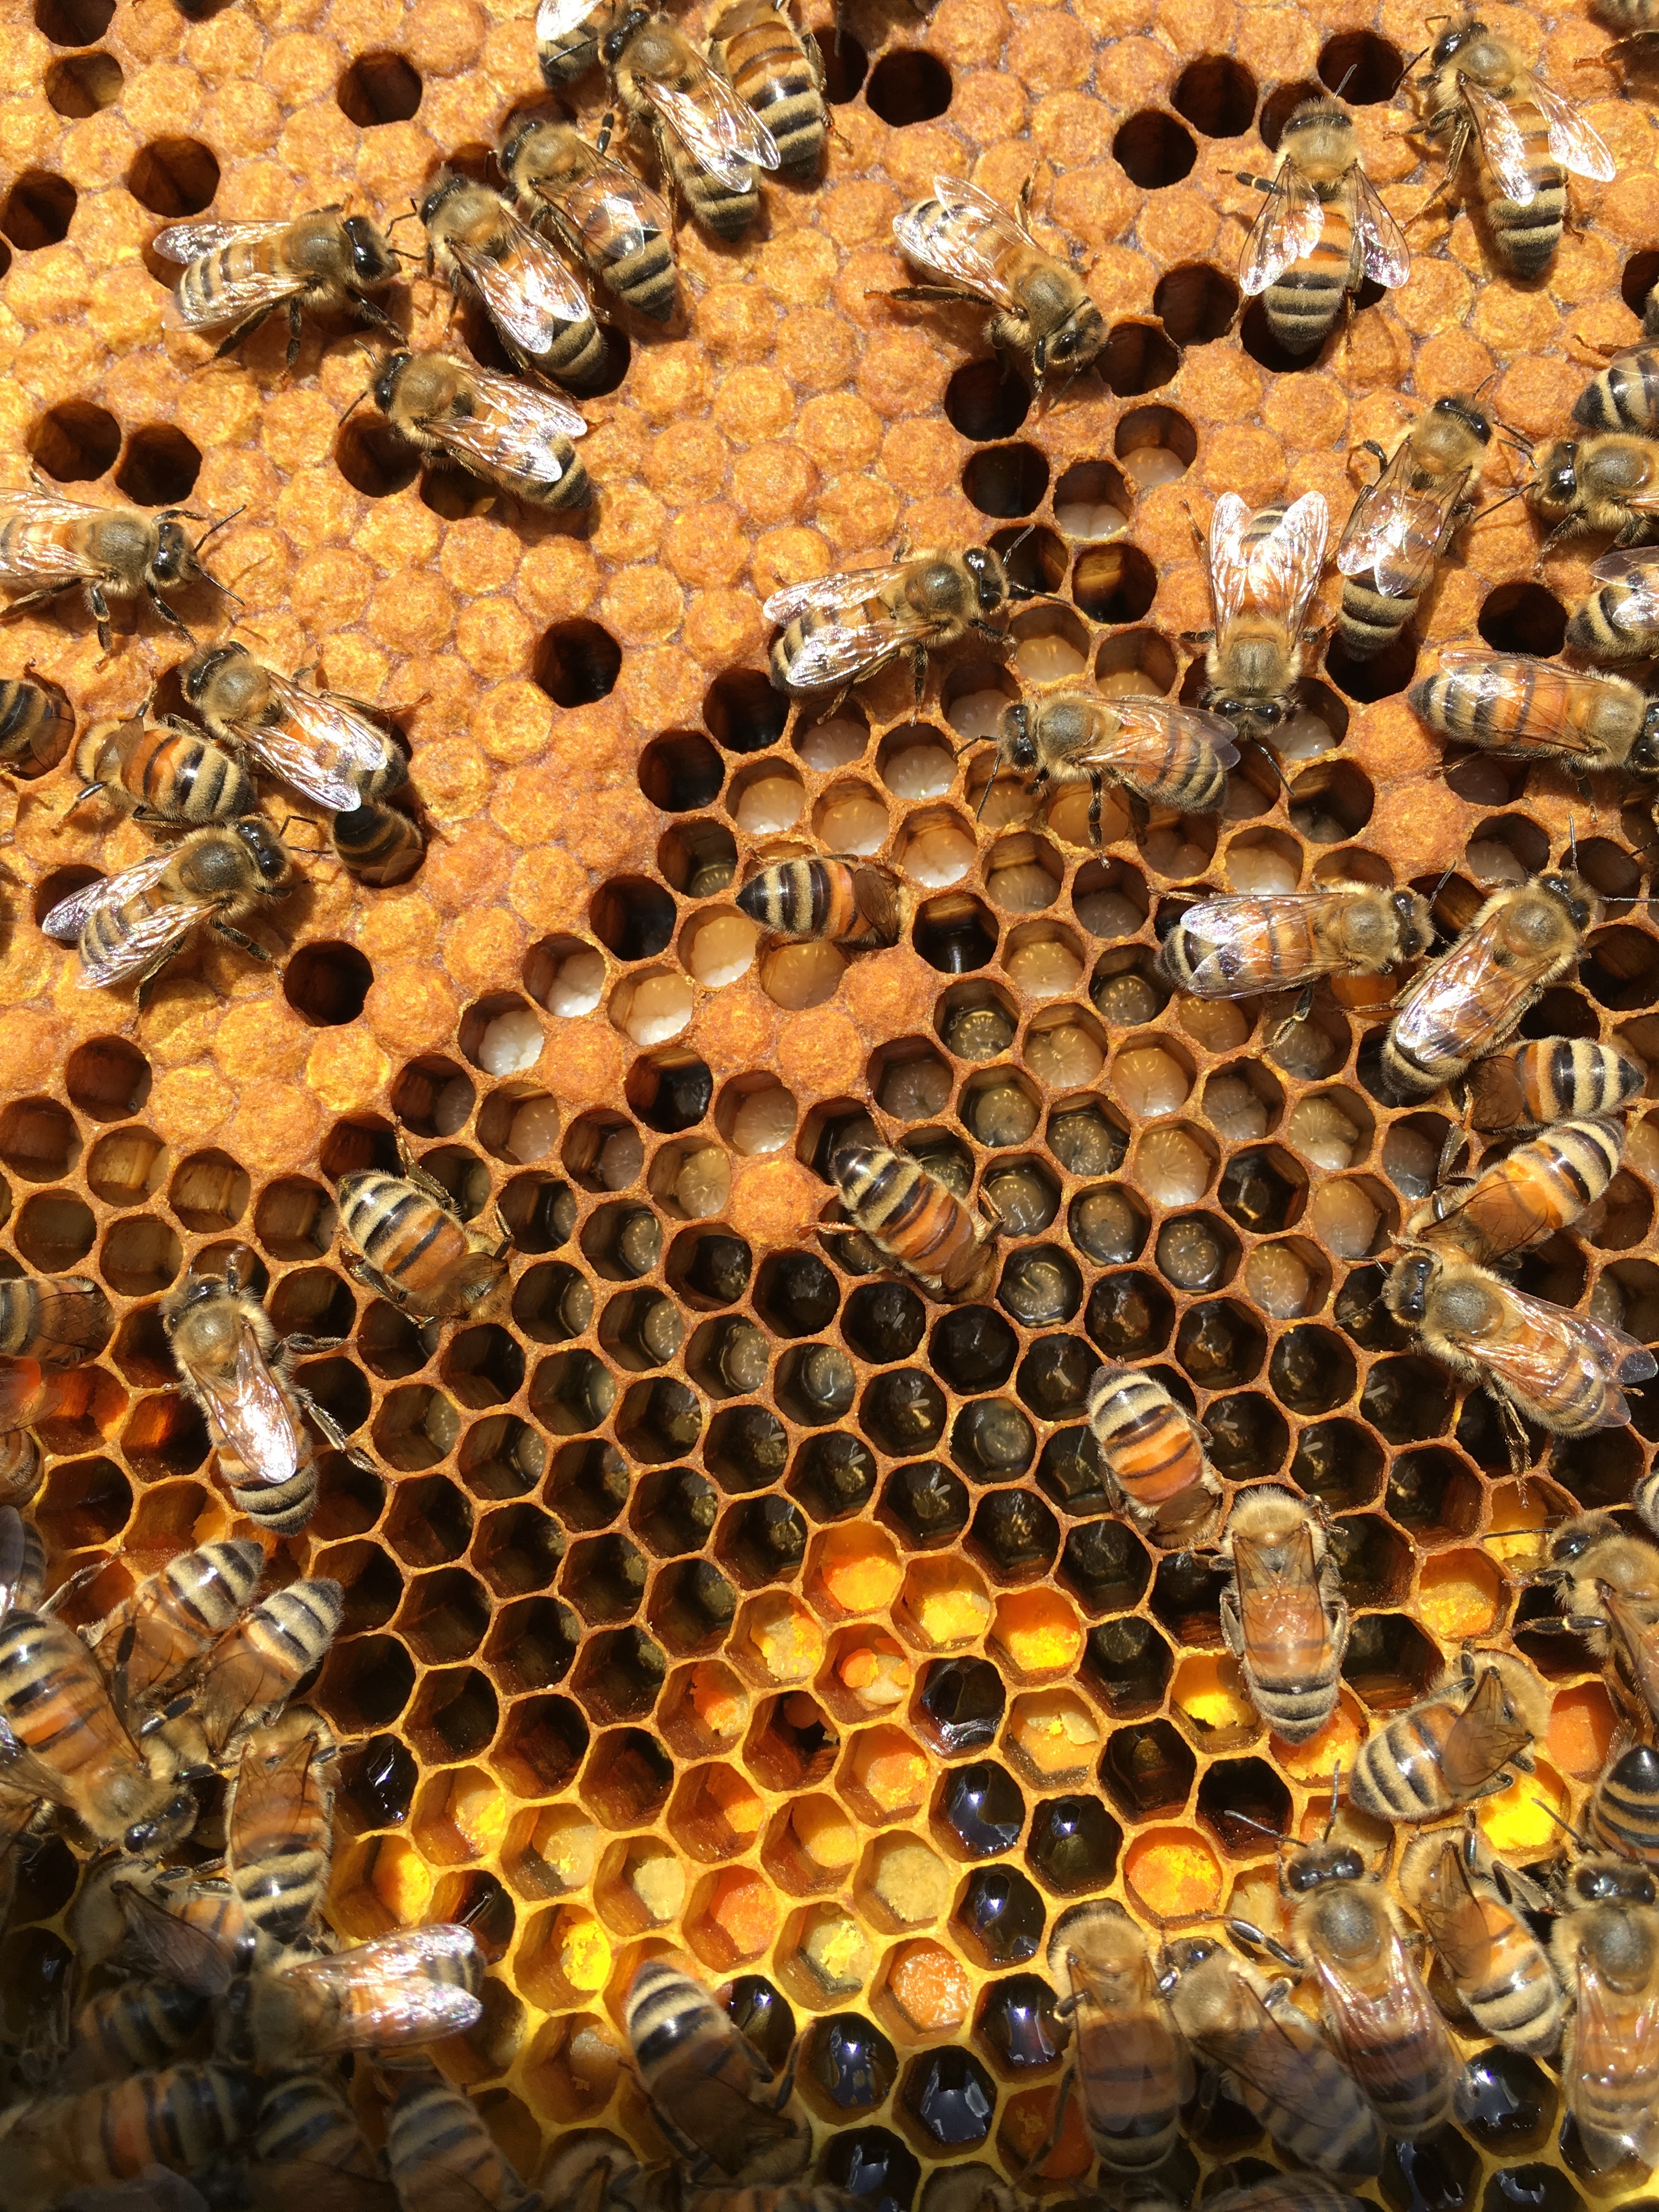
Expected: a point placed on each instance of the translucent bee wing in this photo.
(33, 556)
(1547, 1344)
(251, 1414)
(720, 133)
(1615, 2037)
(1637, 568)
(189, 241)
(532, 297)
(1501, 143)
(387, 1992)
(828, 594)
(557, 19)
(243, 292)
(270, 1794)
(1508, 677)
(1374, 2022)
(843, 653)
(1573, 142)
(615, 213)
(965, 241)
(525, 411)
(324, 749)
(1284, 566)
(1289, 227)
(1280, 1606)
(180, 1950)
(1229, 574)
(1387, 256)
(1444, 1013)
(1396, 531)
(1138, 718)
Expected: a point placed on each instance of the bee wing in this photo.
(1507, 676)
(1638, 573)
(1557, 1345)
(967, 246)
(828, 594)
(21, 1772)
(325, 752)
(387, 1992)
(1388, 256)
(1389, 2029)
(189, 241)
(1229, 574)
(1396, 531)
(1501, 143)
(514, 434)
(1285, 565)
(719, 132)
(557, 19)
(179, 1950)
(251, 1414)
(1291, 224)
(1573, 143)
(629, 210)
(1274, 1605)
(532, 298)
(1271, 2054)
(13, 1556)
(34, 556)
(1615, 2038)
(1144, 727)
(843, 653)
(269, 1792)
(69, 916)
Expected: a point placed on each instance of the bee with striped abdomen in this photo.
(1233, 948)
(1323, 232)
(1264, 568)
(1283, 1616)
(778, 74)
(442, 2155)
(58, 1320)
(322, 744)
(251, 1672)
(1474, 1910)
(708, 2088)
(544, 317)
(1401, 524)
(20, 1466)
(1543, 1185)
(708, 143)
(36, 724)
(1520, 709)
(1128, 2056)
(380, 845)
(162, 773)
(1554, 1079)
(1619, 619)
(406, 1242)
(1041, 310)
(1457, 1744)
(568, 39)
(1624, 1812)
(1609, 483)
(163, 1631)
(279, 1832)
(913, 1220)
(1152, 1451)
(182, 2119)
(838, 897)
(134, 2028)
(1606, 1953)
(1466, 1003)
(1480, 93)
(1626, 395)
(603, 212)
(1611, 1600)
(22, 1564)
(512, 432)
(395, 1993)
(241, 272)
(307, 2146)
(50, 544)
(1164, 754)
(841, 630)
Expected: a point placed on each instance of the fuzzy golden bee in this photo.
(913, 1220)
(399, 1991)
(1609, 483)
(406, 1242)
(440, 2153)
(50, 544)
(1283, 1616)
(778, 74)
(1457, 1744)
(307, 2139)
(380, 845)
(841, 630)
(1465, 1003)
(1233, 948)
(279, 1832)
(164, 1631)
(36, 724)
(1619, 619)
(567, 38)
(1163, 754)
(241, 272)
(1402, 523)
(1152, 1453)
(851, 902)
(254, 1669)
(133, 924)
(1041, 310)
(1473, 1909)
(1522, 709)
(322, 744)
(1128, 2059)
(708, 143)
(1264, 569)
(512, 431)
(1553, 1079)
(477, 244)
(1479, 95)
(606, 216)
(1624, 1812)
(1606, 1953)
(1543, 1185)
(58, 1320)
(710, 2090)
(165, 774)
(1322, 231)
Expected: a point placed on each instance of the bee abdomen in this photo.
(1624, 397)
(577, 355)
(801, 898)
(304, 2119)
(1521, 2009)
(1303, 304)
(1526, 237)
(1624, 1811)
(196, 780)
(792, 111)
(399, 1230)
(725, 210)
(132, 2029)
(563, 480)
(1397, 1775)
(1372, 620)
(1293, 1706)
(1144, 1434)
(644, 278)
(294, 1626)
(1601, 630)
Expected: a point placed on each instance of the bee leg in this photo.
(1303, 1008)
(1066, 2081)
(1096, 791)
(239, 938)
(919, 670)
(166, 613)
(372, 1279)
(371, 311)
(1253, 1937)
(244, 329)
(151, 976)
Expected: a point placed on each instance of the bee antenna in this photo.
(985, 795)
(1347, 73)
(1572, 844)
(1504, 502)
(1336, 1771)
(411, 214)
(365, 393)
(220, 525)
(1272, 759)
(305, 822)
(1243, 1821)
(1549, 1812)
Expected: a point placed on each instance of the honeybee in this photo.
(22, 1564)
(1273, 2057)
(1477, 91)
(407, 1242)
(173, 1619)
(541, 312)
(708, 144)
(162, 773)
(1473, 1909)
(1153, 1454)
(1554, 1079)
(164, 1921)
(133, 923)
(844, 900)
(279, 1824)
(1457, 1743)
(1264, 569)
(36, 724)
(703, 2081)
(1626, 395)
(1543, 1185)
(1620, 620)
(1466, 1003)
(1374, 2004)
(605, 215)
(380, 845)
(1616, 1620)
(251, 1672)
(1323, 231)
(20, 1466)
(48, 545)
(402, 1990)
(307, 2139)
(1606, 1953)
(441, 2155)
(1522, 709)
(1423, 494)
(1127, 2055)
(1167, 755)
(1283, 1616)
(1623, 1812)
(134, 2028)
(241, 272)
(778, 74)
(1041, 310)
(515, 434)
(1609, 483)
(566, 40)
(65, 1741)
(322, 744)
(911, 607)
(1232, 948)
(181, 2118)
(58, 1320)
(913, 1220)
(29, 1395)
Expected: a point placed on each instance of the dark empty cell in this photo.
(327, 984)
(589, 1486)
(1073, 1845)
(1312, 1370)
(1559, 1012)
(88, 1502)
(164, 1436)
(1127, 1663)
(379, 89)
(1408, 1399)
(883, 1321)
(1383, 676)
(1331, 802)
(747, 1448)
(745, 714)
(1146, 1770)
(955, 934)
(851, 2062)
(80, 85)
(1339, 1463)
(1041, 1286)
(681, 771)
(1238, 1792)
(75, 441)
(1034, 561)
(674, 1511)
(1484, 1438)
(576, 663)
(37, 211)
(909, 86)
(792, 1744)
(620, 1674)
(1137, 357)
(992, 1441)
(986, 400)
(108, 1079)
(765, 1541)
(926, 1503)
(845, 64)
(1620, 969)
(869, 2162)
(1128, 1316)
(1187, 1598)
(444, 1616)
(604, 1577)
(903, 1412)
(1000, 1917)
(1005, 479)
(692, 1607)
(1114, 583)
(73, 22)
(1217, 96)
(982, 1807)
(373, 459)
(1522, 617)
(627, 1779)
(365, 1683)
(1360, 68)
(1105, 1564)
(55, 1231)
(1154, 150)
(797, 1294)
(834, 1475)
(159, 468)
(709, 1268)
(173, 177)
(1372, 1559)
(1433, 1491)
(951, 2095)
(1390, 1660)
(959, 1705)
(633, 916)
(1505, 2102)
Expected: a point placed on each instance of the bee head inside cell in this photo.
(1557, 473)
(987, 570)
(199, 671)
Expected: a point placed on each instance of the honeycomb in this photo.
(714, 1593)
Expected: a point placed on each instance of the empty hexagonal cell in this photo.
(531, 1645)
(141, 1256)
(1408, 1399)
(501, 1457)
(444, 1616)
(453, 1717)
(604, 1577)
(588, 1487)
(84, 1503)
(1105, 1564)
(672, 1510)
(540, 1212)
(38, 1139)
(55, 1231)
(619, 1676)
(691, 1607)
(163, 1434)
(482, 1366)
(572, 1392)
(763, 1541)
(1373, 1559)
(415, 1427)
(430, 1522)
(518, 1548)
(391, 1344)
(1126, 1666)
(366, 1683)
(1014, 1536)
(373, 1584)
(1390, 1660)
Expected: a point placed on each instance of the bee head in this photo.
(445, 189)
(1558, 474)
(1014, 737)
(1581, 904)
(373, 261)
(265, 847)
(171, 1825)
(199, 671)
(1321, 1863)
(616, 41)
(174, 559)
(512, 147)
(1405, 1293)
(1466, 411)
(983, 564)
(1454, 41)
(1416, 924)
(1613, 1881)
(386, 382)
(1645, 753)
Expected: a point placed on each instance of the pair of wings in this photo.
(610, 209)
(157, 2189)
(46, 548)
(1243, 956)
(1144, 727)
(60, 1652)
(389, 1992)
(1279, 2054)
(842, 651)
(1511, 679)
(1292, 222)
(144, 936)
(1615, 2035)
(322, 745)
(1397, 529)
(510, 436)
(1503, 145)
(1388, 2025)
(1460, 1007)
(236, 293)
(1281, 1605)
(1638, 573)
(962, 233)
(251, 1414)
(529, 295)
(1543, 1342)
(1275, 572)
(274, 1804)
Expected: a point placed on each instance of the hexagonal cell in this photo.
(1506, 2103)
(373, 1584)
(377, 1784)
(540, 1212)
(1389, 1661)
(459, 1816)
(531, 1645)
(573, 1392)
(992, 1440)
(38, 1139)
(453, 1717)
(564, 1957)
(623, 1242)
(552, 1303)
(1339, 1463)
(977, 1811)
(1237, 1798)
(444, 1616)
(1408, 1399)
(430, 1522)
(1129, 1315)
(883, 1775)
(950, 2097)
(1220, 1343)
(1015, 1536)
(1017, 2024)
(747, 1447)
(482, 1366)
(588, 1487)
(691, 1609)
(415, 1427)
(1146, 1770)
(55, 1231)
(604, 1577)
(1172, 1873)
(1073, 1845)
(619, 1676)
(815, 1383)
(164, 1435)
(1126, 1667)
(1105, 1566)
(365, 1684)
(763, 1541)
(572, 2070)
(925, 1503)
(902, 1411)
(141, 1256)
(127, 1166)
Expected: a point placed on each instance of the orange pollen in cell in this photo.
(743, 1907)
(891, 1769)
(929, 1987)
(1040, 1633)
